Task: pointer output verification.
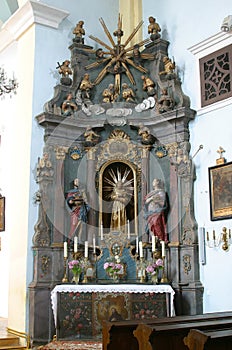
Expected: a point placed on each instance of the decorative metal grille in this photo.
(215, 75)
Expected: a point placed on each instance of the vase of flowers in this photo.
(153, 270)
(113, 270)
(76, 266)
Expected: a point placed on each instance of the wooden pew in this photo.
(170, 333)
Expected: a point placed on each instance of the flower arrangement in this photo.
(154, 267)
(113, 268)
(76, 266)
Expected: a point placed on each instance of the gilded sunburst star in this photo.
(118, 57)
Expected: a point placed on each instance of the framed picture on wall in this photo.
(2, 213)
(220, 191)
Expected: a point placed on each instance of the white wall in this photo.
(185, 24)
(8, 113)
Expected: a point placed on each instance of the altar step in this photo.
(7, 340)
(10, 342)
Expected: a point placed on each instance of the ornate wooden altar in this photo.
(120, 122)
(79, 310)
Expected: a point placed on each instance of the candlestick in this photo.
(137, 245)
(164, 278)
(163, 248)
(65, 249)
(101, 229)
(86, 249)
(65, 277)
(128, 229)
(141, 249)
(75, 244)
(94, 245)
(153, 243)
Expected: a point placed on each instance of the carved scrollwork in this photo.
(41, 236)
(45, 260)
(61, 152)
(187, 263)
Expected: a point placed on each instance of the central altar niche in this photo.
(118, 185)
(118, 198)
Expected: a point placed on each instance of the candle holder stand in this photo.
(141, 270)
(86, 264)
(156, 254)
(65, 277)
(164, 277)
(77, 255)
(95, 264)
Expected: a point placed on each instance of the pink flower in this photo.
(159, 262)
(106, 265)
(150, 269)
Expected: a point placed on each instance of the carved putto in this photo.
(79, 31)
(153, 28)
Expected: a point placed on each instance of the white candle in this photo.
(141, 249)
(94, 245)
(86, 249)
(75, 244)
(137, 245)
(128, 229)
(101, 232)
(163, 248)
(65, 249)
(153, 243)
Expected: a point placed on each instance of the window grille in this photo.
(215, 75)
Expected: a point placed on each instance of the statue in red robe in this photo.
(155, 207)
(77, 203)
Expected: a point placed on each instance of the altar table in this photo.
(80, 309)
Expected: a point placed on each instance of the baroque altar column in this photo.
(173, 222)
(59, 198)
(91, 196)
(59, 233)
(145, 156)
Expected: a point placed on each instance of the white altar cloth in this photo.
(113, 288)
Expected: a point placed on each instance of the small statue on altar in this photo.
(99, 54)
(127, 93)
(120, 199)
(146, 137)
(77, 202)
(169, 66)
(148, 85)
(69, 106)
(153, 29)
(155, 209)
(108, 94)
(137, 55)
(165, 102)
(79, 32)
(85, 87)
(120, 193)
(64, 68)
(91, 137)
(44, 167)
(65, 71)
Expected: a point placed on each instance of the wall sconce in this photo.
(7, 85)
(223, 239)
(227, 24)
